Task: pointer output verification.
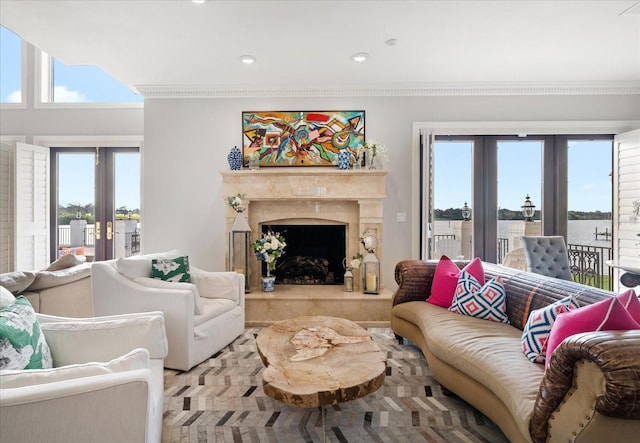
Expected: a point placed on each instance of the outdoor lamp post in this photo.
(466, 212)
(528, 209)
(239, 245)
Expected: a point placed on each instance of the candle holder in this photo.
(371, 274)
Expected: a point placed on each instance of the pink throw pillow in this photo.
(605, 315)
(446, 277)
(631, 303)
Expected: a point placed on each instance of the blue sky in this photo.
(520, 173)
(519, 162)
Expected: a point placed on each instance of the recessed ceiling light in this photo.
(359, 57)
(198, 2)
(247, 59)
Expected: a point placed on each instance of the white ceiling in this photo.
(477, 44)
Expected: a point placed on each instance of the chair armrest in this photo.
(414, 278)
(229, 285)
(614, 356)
(73, 340)
(42, 412)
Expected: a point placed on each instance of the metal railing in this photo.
(64, 235)
(588, 265)
(503, 248)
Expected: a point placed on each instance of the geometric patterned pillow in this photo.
(535, 334)
(22, 343)
(171, 269)
(488, 302)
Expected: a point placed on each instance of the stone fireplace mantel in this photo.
(309, 195)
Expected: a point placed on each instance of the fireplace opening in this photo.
(313, 255)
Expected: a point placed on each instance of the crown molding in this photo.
(404, 90)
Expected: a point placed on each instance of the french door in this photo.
(95, 198)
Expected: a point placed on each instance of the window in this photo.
(81, 84)
(566, 177)
(10, 67)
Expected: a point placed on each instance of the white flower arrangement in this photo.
(356, 261)
(369, 242)
(235, 202)
(269, 248)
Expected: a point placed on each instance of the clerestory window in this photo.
(10, 67)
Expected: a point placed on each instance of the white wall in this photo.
(187, 141)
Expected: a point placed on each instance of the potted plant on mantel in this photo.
(268, 249)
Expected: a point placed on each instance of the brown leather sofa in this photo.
(589, 393)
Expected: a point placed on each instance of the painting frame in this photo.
(300, 138)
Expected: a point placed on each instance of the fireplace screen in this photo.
(313, 255)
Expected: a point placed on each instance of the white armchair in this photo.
(201, 317)
(107, 383)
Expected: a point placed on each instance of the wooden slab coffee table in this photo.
(317, 361)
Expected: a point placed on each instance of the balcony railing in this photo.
(588, 265)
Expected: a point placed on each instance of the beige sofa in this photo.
(62, 289)
(590, 393)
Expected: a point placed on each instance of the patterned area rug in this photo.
(221, 400)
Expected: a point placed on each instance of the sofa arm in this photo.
(414, 278)
(42, 412)
(74, 340)
(614, 356)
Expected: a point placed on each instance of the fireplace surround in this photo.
(309, 196)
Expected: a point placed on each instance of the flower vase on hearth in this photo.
(268, 282)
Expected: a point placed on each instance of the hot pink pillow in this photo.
(605, 315)
(446, 277)
(631, 303)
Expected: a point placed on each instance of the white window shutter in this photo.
(31, 207)
(626, 198)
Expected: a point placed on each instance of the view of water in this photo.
(579, 232)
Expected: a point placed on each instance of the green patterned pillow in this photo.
(171, 269)
(22, 343)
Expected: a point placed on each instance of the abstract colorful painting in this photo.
(300, 138)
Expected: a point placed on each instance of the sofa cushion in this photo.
(50, 279)
(136, 359)
(171, 269)
(446, 277)
(487, 302)
(605, 315)
(213, 307)
(536, 332)
(630, 301)
(22, 343)
(65, 261)
(161, 284)
(140, 265)
(16, 282)
(6, 297)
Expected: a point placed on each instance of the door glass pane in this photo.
(76, 204)
(451, 235)
(519, 176)
(127, 204)
(589, 204)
